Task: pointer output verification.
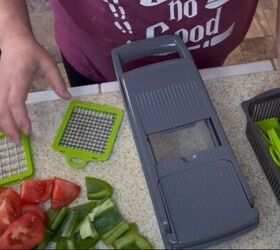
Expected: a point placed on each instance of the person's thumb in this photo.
(53, 74)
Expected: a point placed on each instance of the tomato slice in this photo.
(64, 192)
(36, 191)
(36, 210)
(9, 208)
(24, 233)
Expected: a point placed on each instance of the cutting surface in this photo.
(124, 172)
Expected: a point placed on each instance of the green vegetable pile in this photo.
(86, 225)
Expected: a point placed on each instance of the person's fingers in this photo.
(17, 98)
(8, 125)
(53, 74)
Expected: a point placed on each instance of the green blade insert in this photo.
(16, 163)
(87, 133)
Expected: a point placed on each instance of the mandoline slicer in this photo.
(16, 162)
(198, 191)
(87, 133)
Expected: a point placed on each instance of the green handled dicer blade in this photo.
(87, 133)
(271, 129)
(16, 162)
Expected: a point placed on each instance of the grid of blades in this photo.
(12, 159)
(88, 130)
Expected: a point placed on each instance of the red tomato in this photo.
(36, 210)
(9, 208)
(64, 192)
(36, 191)
(24, 233)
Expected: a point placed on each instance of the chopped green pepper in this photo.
(132, 239)
(68, 226)
(70, 244)
(87, 229)
(52, 213)
(85, 243)
(142, 242)
(105, 205)
(107, 220)
(61, 243)
(84, 209)
(47, 239)
(64, 243)
(115, 233)
(98, 189)
(57, 218)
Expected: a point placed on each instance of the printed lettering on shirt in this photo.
(202, 35)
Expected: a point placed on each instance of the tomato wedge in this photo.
(36, 191)
(64, 192)
(36, 210)
(24, 233)
(9, 208)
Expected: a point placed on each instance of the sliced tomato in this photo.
(9, 208)
(36, 191)
(24, 233)
(64, 192)
(36, 210)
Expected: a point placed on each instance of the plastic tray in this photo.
(261, 107)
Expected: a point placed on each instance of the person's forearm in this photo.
(14, 19)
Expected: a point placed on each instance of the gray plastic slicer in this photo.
(199, 194)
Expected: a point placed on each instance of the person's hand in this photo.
(21, 59)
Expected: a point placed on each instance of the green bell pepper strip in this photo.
(98, 189)
(86, 243)
(107, 220)
(65, 244)
(70, 244)
(87, 229)
(46, 241)
(61, 244)
(84, 209)
(115, 233)
(126, 240)
(69, 226)
(56, 221)
(142, 242)
(52, 213)
(132, 240)
(101, 208)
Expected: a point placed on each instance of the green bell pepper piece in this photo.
(101, 208)
(69, 226)
(98, 189)
(86, 243)
(87, 229)
(70, 244)
(84, 209)
(47, 239)
(142, 243)
(115, 233)
(64, 243)
(107, 220)
(132, 240)
(61, 244)
(56, 217)
(52, 213)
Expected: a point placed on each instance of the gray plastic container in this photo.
(199, 194)
(262, 107)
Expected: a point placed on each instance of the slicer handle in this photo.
(148, 47)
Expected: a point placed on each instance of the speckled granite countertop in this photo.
(124, 172)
